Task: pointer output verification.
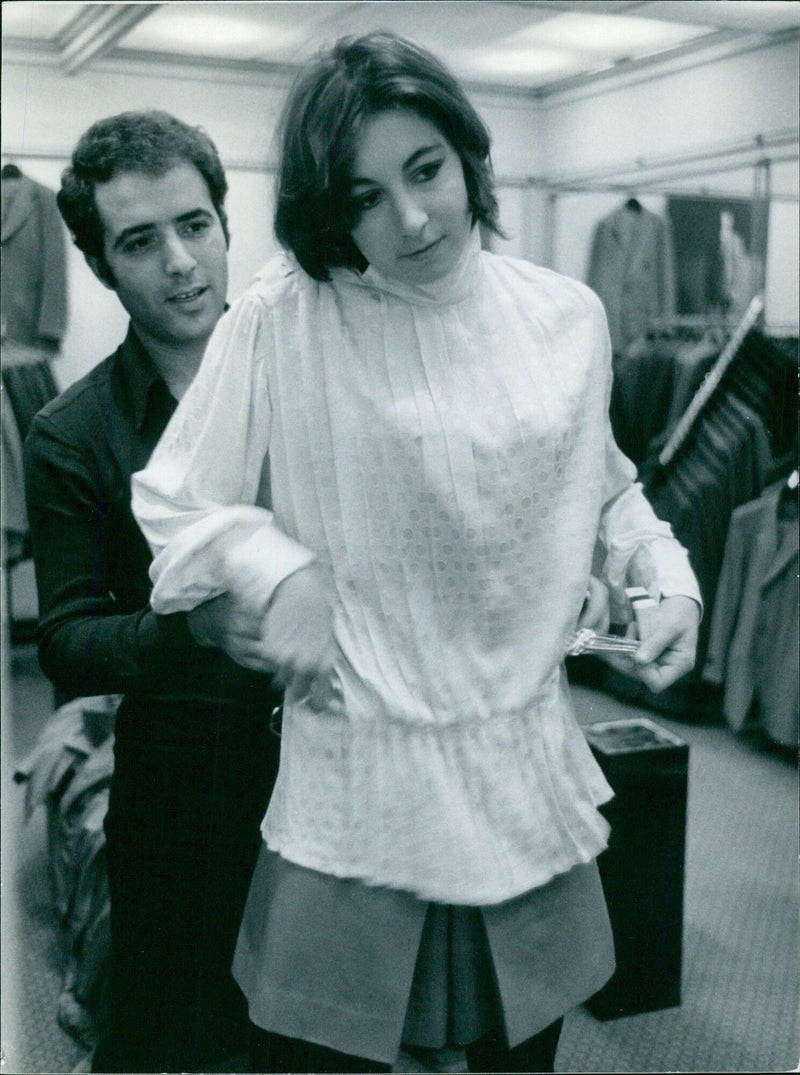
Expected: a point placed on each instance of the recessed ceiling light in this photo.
(605, 35)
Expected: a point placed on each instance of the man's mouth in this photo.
(188, 296)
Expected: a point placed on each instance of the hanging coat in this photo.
(34, 293)
(631, 268)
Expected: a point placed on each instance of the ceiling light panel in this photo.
(269, 32)
(608, 36)
(286, 32)
(440, 25)
(764, 16)
(43, 21)
(516, 66)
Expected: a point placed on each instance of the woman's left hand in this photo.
(595, 611)
(669, 649)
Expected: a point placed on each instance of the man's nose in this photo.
(178, 258)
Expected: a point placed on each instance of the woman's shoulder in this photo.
(270, 294)
(278, 278)
(528, 278)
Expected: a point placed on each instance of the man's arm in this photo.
(86, 645)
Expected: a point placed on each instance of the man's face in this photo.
(165, 246)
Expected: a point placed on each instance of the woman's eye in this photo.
(427, 172)
(367, 201)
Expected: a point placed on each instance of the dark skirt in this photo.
(362, 969)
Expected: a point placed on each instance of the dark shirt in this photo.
(97, 633)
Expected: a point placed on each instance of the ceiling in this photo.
(537, 47)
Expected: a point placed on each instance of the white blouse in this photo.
(445, 456)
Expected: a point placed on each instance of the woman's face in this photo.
(412, 211)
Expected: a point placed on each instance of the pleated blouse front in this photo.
(445, 456)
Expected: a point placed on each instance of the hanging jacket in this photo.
(34, 294)
(753, 641)
(631, 268)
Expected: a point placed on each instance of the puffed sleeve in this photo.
(200, 500)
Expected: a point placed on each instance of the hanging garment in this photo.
(27, 386)
(34, 293)
(652, 387)
(69, 772)
(631, 268)
(753, 642)
(726, 460)
(14, 511)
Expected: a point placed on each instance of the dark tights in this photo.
(538, 1053)
(275, 1053)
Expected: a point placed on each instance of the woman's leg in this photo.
(276, 1053)
(537, 1054)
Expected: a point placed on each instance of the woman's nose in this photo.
(411, 216)
(178, 259)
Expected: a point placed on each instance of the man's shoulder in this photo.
(72, 411)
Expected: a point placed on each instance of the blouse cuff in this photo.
(235, 550)
(658, 563)
(256, 566)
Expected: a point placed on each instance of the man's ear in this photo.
(101, 271)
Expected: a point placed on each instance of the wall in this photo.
(650, 115)
(711, 104)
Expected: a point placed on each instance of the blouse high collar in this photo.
(456, 285)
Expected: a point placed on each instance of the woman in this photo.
(429, 424)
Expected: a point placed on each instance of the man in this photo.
(194, 757)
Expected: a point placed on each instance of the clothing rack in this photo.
(696, 321)
(712, 379)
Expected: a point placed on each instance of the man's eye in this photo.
(140, 243)
(196, 227)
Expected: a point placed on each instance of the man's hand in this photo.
(222, 622)
(669, 650)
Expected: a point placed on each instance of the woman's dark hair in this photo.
(151, 142)
(328, 105)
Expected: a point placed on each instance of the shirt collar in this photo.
(139, 373)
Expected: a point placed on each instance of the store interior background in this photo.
(586, 103)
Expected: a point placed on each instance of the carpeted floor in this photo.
(739, 1009)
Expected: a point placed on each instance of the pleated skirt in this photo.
(364, 970)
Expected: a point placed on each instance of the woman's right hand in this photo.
(292, 641)
(298, 637)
